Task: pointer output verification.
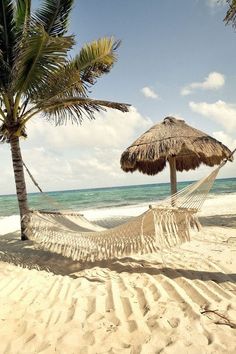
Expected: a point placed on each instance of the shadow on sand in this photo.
(26, 255)
(228, 220)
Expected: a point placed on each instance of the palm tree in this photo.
(36, 75)
(230, 17)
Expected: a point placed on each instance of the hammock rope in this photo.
(163, 225)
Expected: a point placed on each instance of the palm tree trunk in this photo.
(20, 183)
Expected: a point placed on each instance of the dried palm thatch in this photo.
(172, 140)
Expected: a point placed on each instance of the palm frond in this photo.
(4, 135)
(75, 109)
(53, 16)
(41, 56)
(230, 17)
(7, 39)
(5, 74)
(2, 67)
(69, 81)
(2, 109)
(96, 58)
(65, 82)
(22, 15)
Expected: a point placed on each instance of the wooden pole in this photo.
(172, 162)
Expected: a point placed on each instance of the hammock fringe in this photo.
(162, 226)
(150, 232)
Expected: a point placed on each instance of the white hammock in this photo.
(164, 225)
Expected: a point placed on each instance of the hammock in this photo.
(163, 225)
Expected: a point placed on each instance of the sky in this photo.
(176, 58)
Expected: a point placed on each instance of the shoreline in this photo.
(111, 199)
(110, 217)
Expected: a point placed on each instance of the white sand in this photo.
(142, 304)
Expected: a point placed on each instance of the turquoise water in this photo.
(105, 197)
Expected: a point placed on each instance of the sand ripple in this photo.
(144, 304)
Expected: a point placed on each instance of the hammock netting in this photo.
(162, 226)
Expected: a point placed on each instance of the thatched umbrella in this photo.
(172, 140)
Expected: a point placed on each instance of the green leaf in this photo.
(230, 17)
(71, 80)
(7, 39)
(68, 82)
(41, 56)
(76, 108)
(22, 15)
(4, 135)
(65, 82)
(53, 16)
(96, 58)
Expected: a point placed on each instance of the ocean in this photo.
(106, 199)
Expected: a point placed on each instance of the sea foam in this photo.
(109, 213)
(12, 223)
(9, 224)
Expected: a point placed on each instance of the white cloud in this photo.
(213, 81)
(230, 168)
(87, 156)
(110, 129)
(185, 91)
(225, 139)
(73, 157)
(221, 112)
(149, 92)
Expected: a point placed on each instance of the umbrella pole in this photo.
(172, 162)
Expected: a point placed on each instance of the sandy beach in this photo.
(178, 301)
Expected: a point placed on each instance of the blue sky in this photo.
(176, 57)
(165, 45)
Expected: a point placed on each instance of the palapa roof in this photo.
(172, 137)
